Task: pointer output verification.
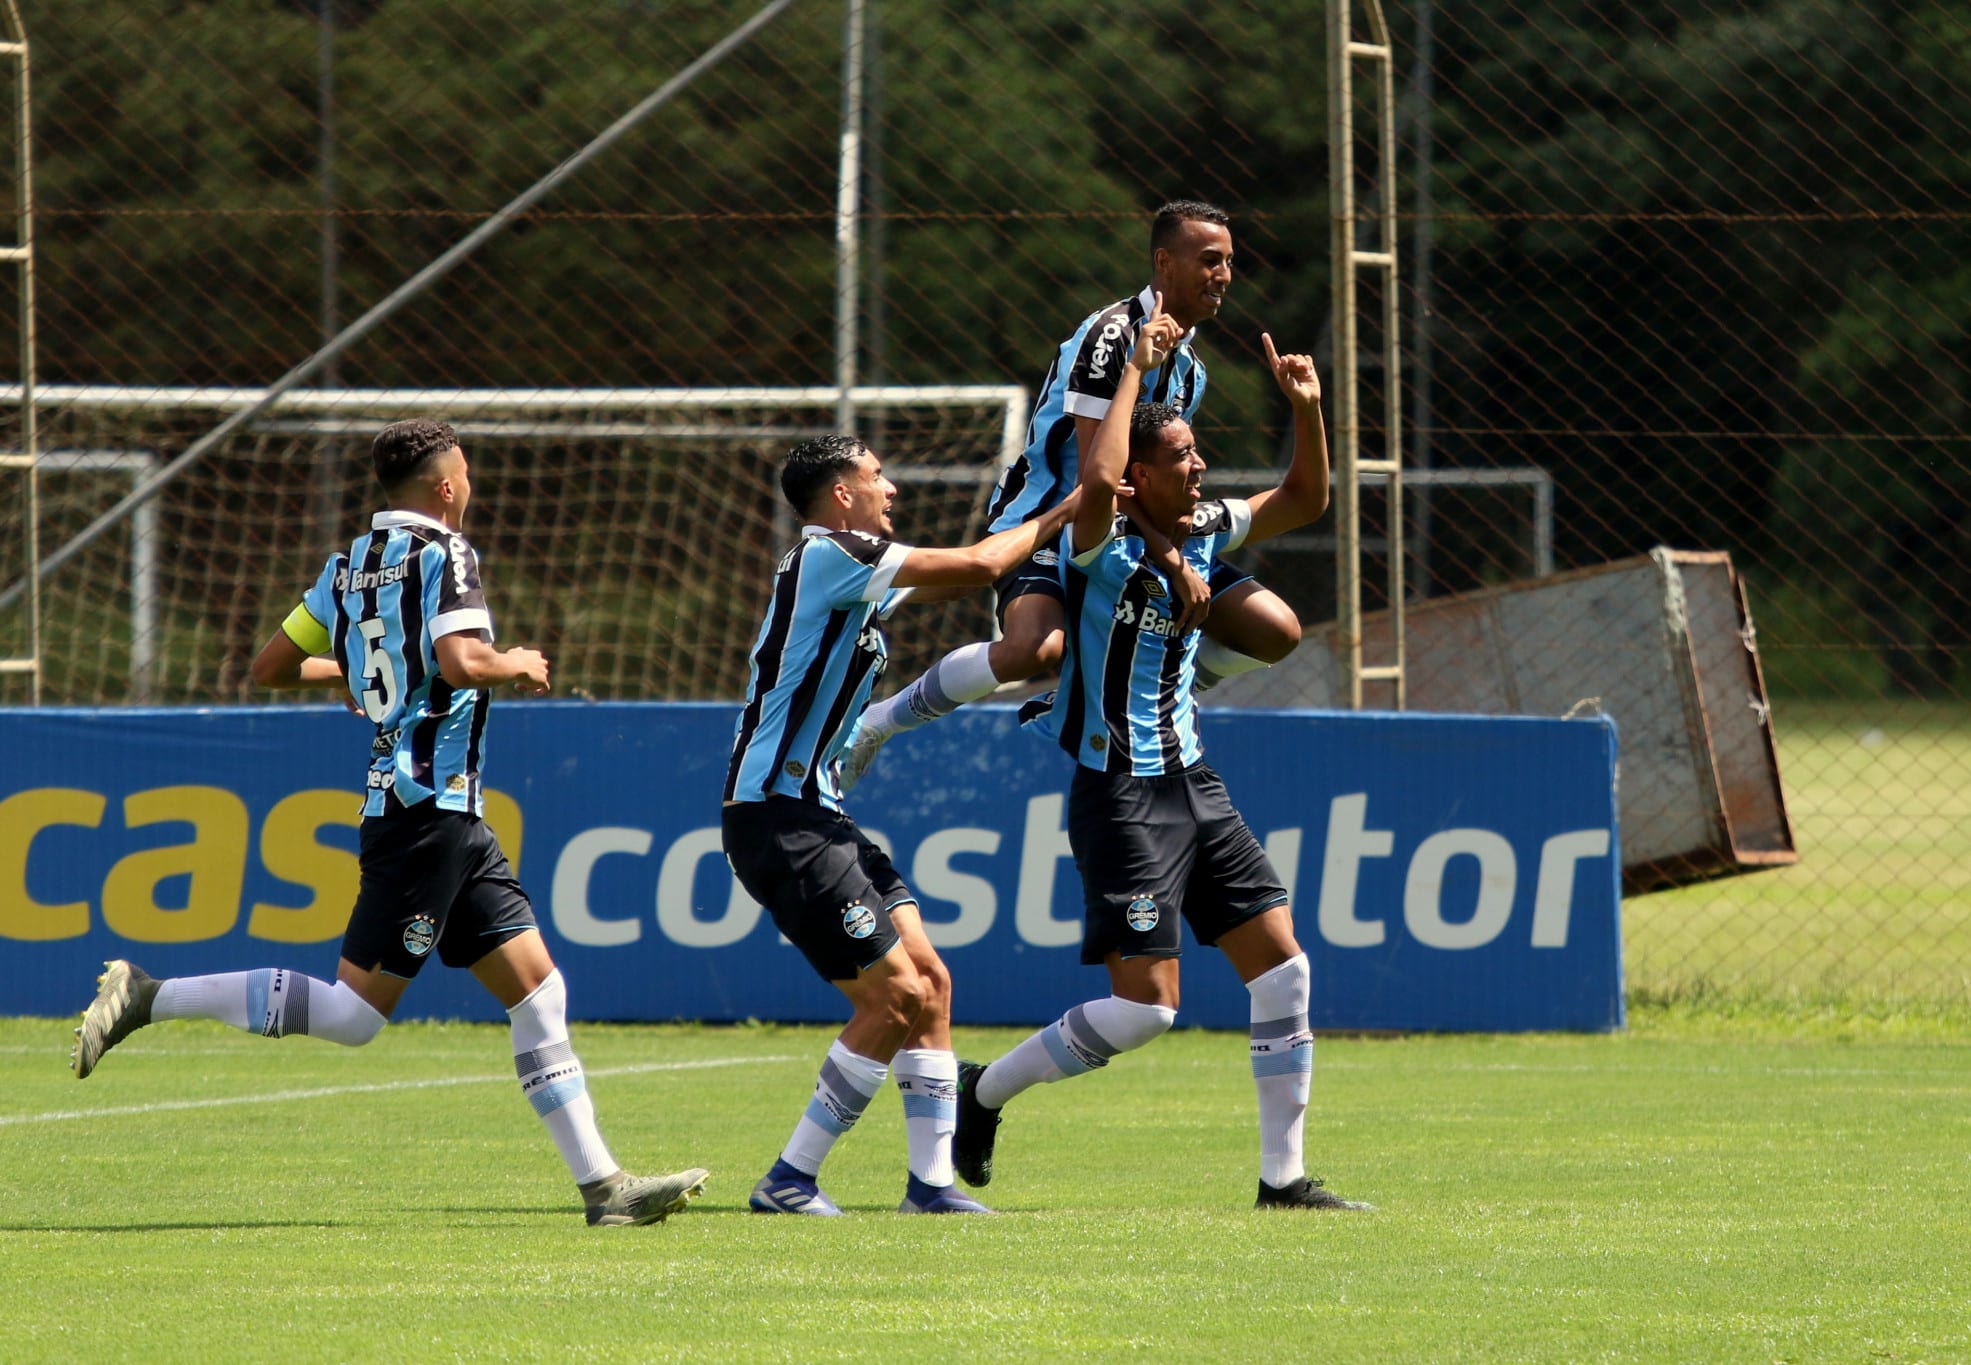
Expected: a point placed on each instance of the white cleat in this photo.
(122, 1006)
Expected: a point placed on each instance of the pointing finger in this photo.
(1272, 356)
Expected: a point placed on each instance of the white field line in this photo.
(380, 1087)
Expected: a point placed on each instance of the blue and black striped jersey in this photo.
(1081, 383)
(381, 605)
(1125, 702)
(818, 653)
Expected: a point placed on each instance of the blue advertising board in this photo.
(1447, 872)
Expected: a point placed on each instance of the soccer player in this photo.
(1153, 832)
(830, 889)
(402, 617)
(1247, 626)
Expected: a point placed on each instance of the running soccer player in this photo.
(402, 617)
(828, 887)
(1246, 626)
(1153, 832)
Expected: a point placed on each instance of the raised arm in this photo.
(1302, 493)
(982, 563)
(1193, 592)
(1106, 457)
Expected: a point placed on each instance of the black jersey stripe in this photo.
(410, 613)
(766, 662)
(424, 735)
(801, 703)
(1169, 674)
(1015, 481)
(339, 627)
(860, 663)
(1070, 694)
(1118, 678)
(474, 745)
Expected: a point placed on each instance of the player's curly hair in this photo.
(404, 450)
(1172, 217)
(1146, 423)
(816, 464)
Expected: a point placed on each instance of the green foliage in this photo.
(1704, 263)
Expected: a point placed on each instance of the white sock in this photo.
(272, 1002)
(1075, 1044)
(1282, 1067)
(962, 676)
(1217, 662)
(847, 1083)
(551, 1078)
(928, 1081)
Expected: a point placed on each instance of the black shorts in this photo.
(1152, 848)
(1041, 573)
(432, 878)
(829, 888)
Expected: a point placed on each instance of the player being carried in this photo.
(1154, 834)
(828, 887)
(1246, 626)
(403, 617)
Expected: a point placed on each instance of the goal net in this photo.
(630, 534)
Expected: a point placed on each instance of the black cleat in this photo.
(1305, 1193)
(122, 1006)
(978, 1129)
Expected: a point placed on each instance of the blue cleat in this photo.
(787, 1189)
(921, 1198)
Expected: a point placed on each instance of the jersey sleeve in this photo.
(864, 571)
(1096, 370)
(456, 601)
(308, 624)
(1230, 521)
(1095, 562)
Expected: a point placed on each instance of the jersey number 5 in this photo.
(379, 672)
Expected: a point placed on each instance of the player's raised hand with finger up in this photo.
(1294, 374)
(1157, 339)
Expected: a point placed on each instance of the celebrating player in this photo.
(1153, 832)
(1246, 627)
(829, 889)
(403, 617)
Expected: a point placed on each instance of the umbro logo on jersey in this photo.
(1152, 588)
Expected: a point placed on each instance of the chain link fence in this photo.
(1695, 270)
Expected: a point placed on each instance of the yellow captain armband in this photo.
(302, 628)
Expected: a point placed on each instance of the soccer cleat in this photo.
(634, 1200)
(787, 1189)
(122, 1006)
(1305, 1193)
(978, 1129)
(855, 760)
(921, 1198)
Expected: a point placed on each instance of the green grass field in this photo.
(1877, 913)
(1687, 1191)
